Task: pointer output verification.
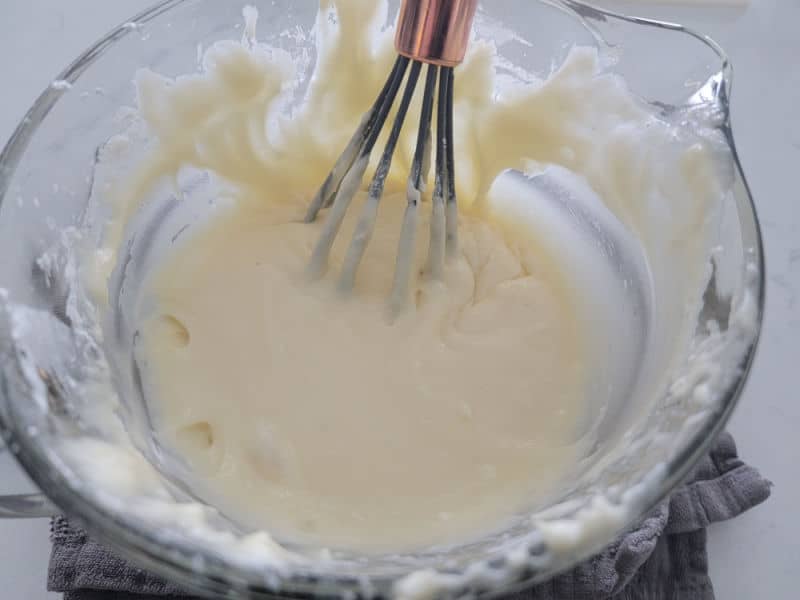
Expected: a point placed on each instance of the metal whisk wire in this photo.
(433, 32)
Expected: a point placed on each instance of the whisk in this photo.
(434, 32)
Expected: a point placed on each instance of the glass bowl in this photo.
(49, 177)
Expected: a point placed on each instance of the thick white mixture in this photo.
(320, 420)
(314, 417)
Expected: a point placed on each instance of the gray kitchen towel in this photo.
(663, 558)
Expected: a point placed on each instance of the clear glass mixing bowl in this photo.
(49, 177)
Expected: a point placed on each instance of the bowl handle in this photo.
(25, 506)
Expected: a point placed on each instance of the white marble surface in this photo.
(755, 556)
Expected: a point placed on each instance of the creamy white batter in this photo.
(313, 416)
(316, 418)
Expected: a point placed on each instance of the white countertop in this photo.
(754, 556)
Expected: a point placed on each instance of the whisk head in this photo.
(433, 32)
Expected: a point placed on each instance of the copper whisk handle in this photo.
(435, 31)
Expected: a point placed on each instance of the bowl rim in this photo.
(174, 560)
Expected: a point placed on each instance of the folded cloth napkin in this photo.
(663, 558)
